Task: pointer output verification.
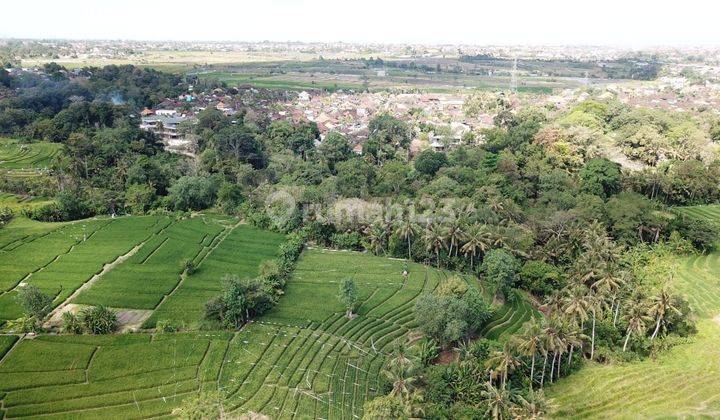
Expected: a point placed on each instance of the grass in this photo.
(17, 203)
(240, 253)
(304, 359)
(26, 160)
(62, 260)
(681, 382)
(146, 277)
(508, 319)
(117, 376)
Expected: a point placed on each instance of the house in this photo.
(165, 126)
(166, 112)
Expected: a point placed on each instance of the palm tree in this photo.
(454, 235)
(499, 236)
(406, 229)
(594, 303)
(660, 306)
(636, 318)
(572, 338)
(502, 363)
(402, 380)
(434, 239)
(576, 305)
(401, 357)
(551, 342)
(497, 401)
(376, 236)
(530, 343)
(478, 238)
(534, 406)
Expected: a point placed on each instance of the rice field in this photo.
(16, 203)
(238, 250)
(59, 261)
(26, 160)
(62, 258)
(680, 383)
(304, 359)
(509, 319)
(290, 364)
(710, 212)
(121, 376)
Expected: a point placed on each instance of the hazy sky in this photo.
(606, 22)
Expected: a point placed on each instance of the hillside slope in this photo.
(682, 382)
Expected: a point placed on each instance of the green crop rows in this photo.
(680, 383)
(239, 251)
(304, 359)
(26, 160)
(60, 258)
(154, 271)
(508, 319)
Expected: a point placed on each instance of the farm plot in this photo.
(310, 360)
(123, 376)
(26, 160)
(62, 260)
(709, 212)
(239, 253)
(17, 203)
(155, 269)
(304, 359)
(16, 155)
(22, 229)
(508, 319)
(681, 383)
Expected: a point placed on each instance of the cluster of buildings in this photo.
(442, 115)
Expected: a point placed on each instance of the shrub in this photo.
(22, 325)
(192, 193)
(188, 266)
(385, 407)
(99, 320)
(352, 240)
(34, 302)
(67, 206)
(167, 326)
(6, 214)
(453, 286)
(71, 323)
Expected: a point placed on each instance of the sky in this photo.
(506, 22)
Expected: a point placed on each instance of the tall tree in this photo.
(348, 295)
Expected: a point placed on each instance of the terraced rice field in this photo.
(26, 160)
(681, 383)
(59, 261)
(303, 360)
(508, 320)
(61, 258)
(711, 212)
(16, 203)
(238, 250)
(308, 360)
(121, 376)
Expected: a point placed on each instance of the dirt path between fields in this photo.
(55, 316)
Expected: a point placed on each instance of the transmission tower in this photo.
(513, 77)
